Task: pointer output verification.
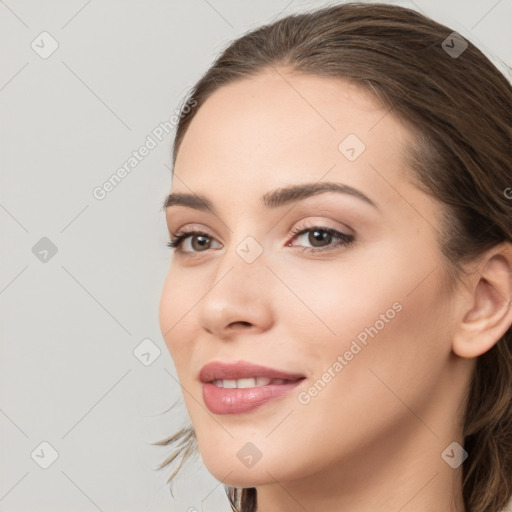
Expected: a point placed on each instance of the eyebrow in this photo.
(274, 199)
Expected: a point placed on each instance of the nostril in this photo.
(234, 324)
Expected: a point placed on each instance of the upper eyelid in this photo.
(194, 226)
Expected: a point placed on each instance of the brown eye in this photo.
(318, 237)
(321, 238)
(199, 241)
(202, 242)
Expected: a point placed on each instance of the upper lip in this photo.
(242, 370)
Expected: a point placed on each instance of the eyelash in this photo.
(344, 240)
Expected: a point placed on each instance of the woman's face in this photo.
(365, 324)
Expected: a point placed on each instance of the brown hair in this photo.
(459, 107)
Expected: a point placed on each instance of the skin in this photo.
(372, 438)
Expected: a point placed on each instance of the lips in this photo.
(242, 370)
(228, 387)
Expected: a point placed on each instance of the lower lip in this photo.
(239, 400)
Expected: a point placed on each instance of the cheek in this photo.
(335, 301)
(388, 321)
(175, 315)
(167, 309)
(394, 342)
(362, 404)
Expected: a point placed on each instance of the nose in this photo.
(238, 298)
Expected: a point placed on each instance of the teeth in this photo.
(246, 383)
(262, 381)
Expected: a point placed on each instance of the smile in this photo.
(248, 383)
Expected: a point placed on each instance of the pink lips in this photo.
(220, 400)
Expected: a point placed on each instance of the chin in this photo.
(240, 477)
(238, 464)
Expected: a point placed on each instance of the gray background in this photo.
(72, 320)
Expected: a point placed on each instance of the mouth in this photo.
(251, 382)
(235, 388)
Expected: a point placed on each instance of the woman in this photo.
(338, 301)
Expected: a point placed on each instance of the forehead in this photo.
(278, 128)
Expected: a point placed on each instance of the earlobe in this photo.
(490, 297)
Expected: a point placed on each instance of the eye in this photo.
(203, 240)
(321, 238)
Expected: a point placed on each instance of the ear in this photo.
(487, 313)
